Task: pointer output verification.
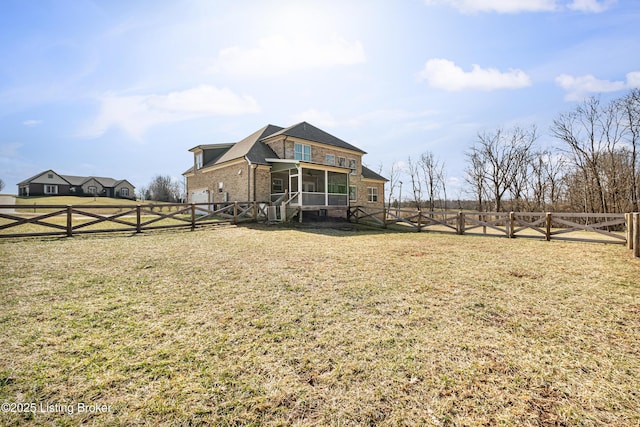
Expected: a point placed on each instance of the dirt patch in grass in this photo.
(272, 326)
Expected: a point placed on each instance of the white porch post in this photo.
(299, 168)
(326, 188)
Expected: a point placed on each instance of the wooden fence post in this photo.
(628, 219)
(255, 211)
(193, 216)
(419, 221)
(235, 212)
(460, 223)
(636, 235)
(138, 219)
(384, 217)
(547, 233)
(512, 225)
(69, 220)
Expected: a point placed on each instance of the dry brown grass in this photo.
(277, 326)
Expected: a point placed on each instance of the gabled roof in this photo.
(252, 147)
(28, 180)
(255, 150)
(369, 174)
(78, 180)
(309, 132)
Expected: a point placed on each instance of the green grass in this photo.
(281, 326)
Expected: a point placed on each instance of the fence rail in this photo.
(69, 220)
(598, 228)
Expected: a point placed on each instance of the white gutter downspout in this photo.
(249, 164)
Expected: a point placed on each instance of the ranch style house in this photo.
(50, 183)
(302, 167)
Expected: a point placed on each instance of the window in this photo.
(342, 162)
(353, 193)
(50, 176)
(92, 189)
(352, 166)
(302, 152)
(50, 189)
(220, 187)
(372, 193)
(330, 159)
(124, 192)
(199, 161)
(277, 185)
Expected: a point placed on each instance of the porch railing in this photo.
(312, 199)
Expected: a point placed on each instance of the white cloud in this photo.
(446, 75)
(500, 6)
(518, 6)
(135, 114)
(578, 88)
(280, 54)
(32, 123)
(590, 6)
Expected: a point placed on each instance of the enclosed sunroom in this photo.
(309, 186)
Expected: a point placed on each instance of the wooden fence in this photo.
(53, 220)
(599, 228)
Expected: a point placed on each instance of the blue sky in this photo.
(125, 88)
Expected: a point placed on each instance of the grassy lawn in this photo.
(282, 326)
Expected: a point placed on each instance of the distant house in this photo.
(313, 170)
(50, 183)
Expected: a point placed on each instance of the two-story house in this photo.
(305, 166)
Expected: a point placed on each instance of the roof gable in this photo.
(43, 178)
(250, 147)
(309, 132)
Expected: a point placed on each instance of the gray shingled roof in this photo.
(252, 147)
(78, 180)
(368, 173)
(309, 132)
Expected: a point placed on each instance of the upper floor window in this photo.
(372, 193)
(199, 161)
(302, 152)
(352, 166)
(330, 160)
(342, 162)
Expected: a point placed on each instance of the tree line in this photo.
(594, 169)
(162, 188)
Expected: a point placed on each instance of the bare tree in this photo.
(601, 144)
(501, 159)
(431, 172)
(1, 184)
(164, 189)
(442, 177)
(474, 175)
(630, 107)
(393, 173)
(416, 182)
